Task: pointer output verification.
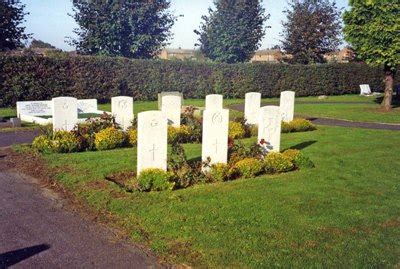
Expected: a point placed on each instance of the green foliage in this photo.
(133, 29)
(11, 32)
(180, 134)
(40, 44)
(219, 172)
(41, 78)
(298, 158)
(249, 167)
(132, 137)
(154, 180)
(236, 130)
(85, 132)
(276, 162)
(109, 138)
(312, 29)
(297, 125)
(372, 28)
(232, 32)
(60, 142)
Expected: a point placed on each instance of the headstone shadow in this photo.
(303, 145)
(10, 258)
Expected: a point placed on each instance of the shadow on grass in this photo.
(395, 100)
(13, 257)
(303, 145)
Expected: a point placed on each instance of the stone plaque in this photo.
(252, 107)
(287, 105)
(269, 127)
(34, 108)
(122, 110)
(65, 113)
(215, 135)
(152, 141)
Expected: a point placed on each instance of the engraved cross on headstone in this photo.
(153, 151)
(216, 145)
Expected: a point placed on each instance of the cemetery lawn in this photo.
(343, 213)
(347, 107)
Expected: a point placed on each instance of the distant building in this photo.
(179, 54)
(267, 55)
(344, 55)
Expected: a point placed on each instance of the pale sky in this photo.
(49, 21)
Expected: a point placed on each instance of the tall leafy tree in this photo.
(232, 31)
(312, 28)
(12, 34)
(372, 27)
(129, 28)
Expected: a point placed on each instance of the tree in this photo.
(41, 45)
(372, 28)
(131, 28)
(232, 32)
(312, 28)
(12, 34)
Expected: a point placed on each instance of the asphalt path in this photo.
(38, 231)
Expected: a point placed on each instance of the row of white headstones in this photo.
(152, 126)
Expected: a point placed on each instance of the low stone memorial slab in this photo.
(171, 107)
(287, 105)
(65, 113)
(34, 108)
(87, 106)
(122, 110)
(215, 135)
(162, 94)
(252, 107)
(269, 128)
(214, 101)
(152, 141)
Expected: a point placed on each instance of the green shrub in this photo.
(297, 125)
(154, 180)
(236, 130)
(43, 144)
(61, 142)
(41, 78)
(109, 138)
(276, 162)
(180, 134)
(132, 137)
(65, 142)
(219, 172)
(298, 158)
(253, 130)
(249, 167)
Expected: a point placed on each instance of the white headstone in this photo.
(252, 107)
(214, 101)
(87, 106)
(365, 89)
(65, 113)
(34, 108)
(269, 127)
(171, 107)
(160, 96)
(215, 135)
(287, 105)
(122, 110)
(152, 141)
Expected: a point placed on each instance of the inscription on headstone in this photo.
(269, 127)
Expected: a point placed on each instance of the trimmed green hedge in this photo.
(41, 78)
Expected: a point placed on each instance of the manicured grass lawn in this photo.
(363, 108)
(345, 213)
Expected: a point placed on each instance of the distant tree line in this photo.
(231, 32)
